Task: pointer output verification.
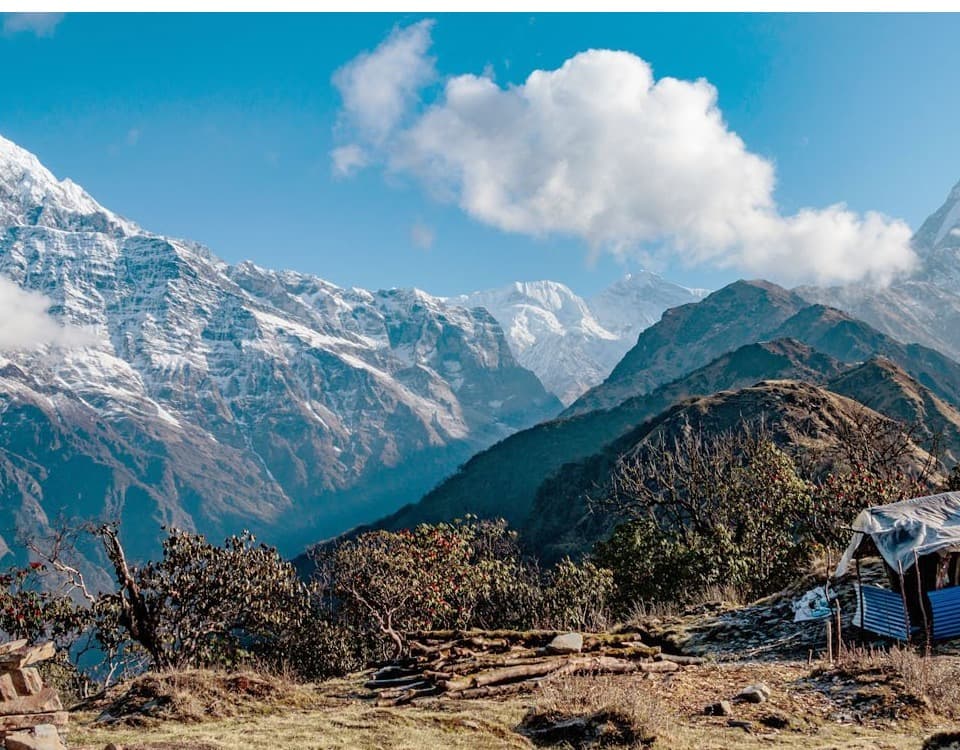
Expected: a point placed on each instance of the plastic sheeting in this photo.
(906, 530)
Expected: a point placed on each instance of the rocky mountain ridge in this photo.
(216, 397)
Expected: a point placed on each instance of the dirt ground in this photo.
(811, 706)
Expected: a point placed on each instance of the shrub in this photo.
(702, 513)
(578, 597)
(467, 573)
(203, 605)
(30, 609)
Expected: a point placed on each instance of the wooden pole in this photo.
(923, 608)
(839, 633)
(830, 640)
(860, 593)
(903, 596)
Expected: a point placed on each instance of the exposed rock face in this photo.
(217, 397)
(573, 343)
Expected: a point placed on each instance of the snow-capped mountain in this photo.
(923, 307)
(219, 397)
(572, 343)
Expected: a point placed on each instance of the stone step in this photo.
(44, 701)
(26, 655)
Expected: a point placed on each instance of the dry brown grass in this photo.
(194, 695)
(219, 711)
(599, 709)
(726, 595)
(935, 679)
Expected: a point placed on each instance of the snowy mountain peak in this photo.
(219, 397)
(942, 228)
(571, 343)
(30, 195)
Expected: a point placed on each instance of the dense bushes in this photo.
(732, 511)
(735, 511)
(466, 574)
(203, 605)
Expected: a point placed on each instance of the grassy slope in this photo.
(343, 721)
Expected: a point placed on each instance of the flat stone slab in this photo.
(41, 737)
(567, 643)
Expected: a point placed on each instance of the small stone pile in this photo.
(31, 715)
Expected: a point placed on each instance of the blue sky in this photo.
(219, 128)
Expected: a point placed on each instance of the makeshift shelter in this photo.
(919, 541)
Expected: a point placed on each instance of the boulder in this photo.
(567, 643)
(757, 693)
(723, 708)
(41, 737)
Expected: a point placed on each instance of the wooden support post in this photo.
(860, 592)
(903, 596)
(830, 640)
(927, 633)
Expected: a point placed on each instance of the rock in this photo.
(942, 741)
(757, 693)
(775, 721)
(41, 737)
(27, 655)
(44, 701)
(746, 726)
(723, 708)
(8, 690)
(567, 643)
(27, 681)
(113, 746)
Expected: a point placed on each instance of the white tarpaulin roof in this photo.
(908, 529)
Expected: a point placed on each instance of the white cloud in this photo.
(133, 136)
(380, 87)
(422, 235)
(601, 150)
(39, 24)
(25, 322)
(955, 232)
(348, 159)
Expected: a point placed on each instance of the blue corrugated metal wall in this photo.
(946, 613)
(882, 612)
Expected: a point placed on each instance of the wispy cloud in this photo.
(422, 235)
(25, 321)
(38, 24)
(602, 150)
(348, 159)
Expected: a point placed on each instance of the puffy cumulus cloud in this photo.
(602, 150)
(380, 87)
(38, 24)
(25, 322)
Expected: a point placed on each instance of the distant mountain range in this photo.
(216, 397)
(745, 333)
(573, 343)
